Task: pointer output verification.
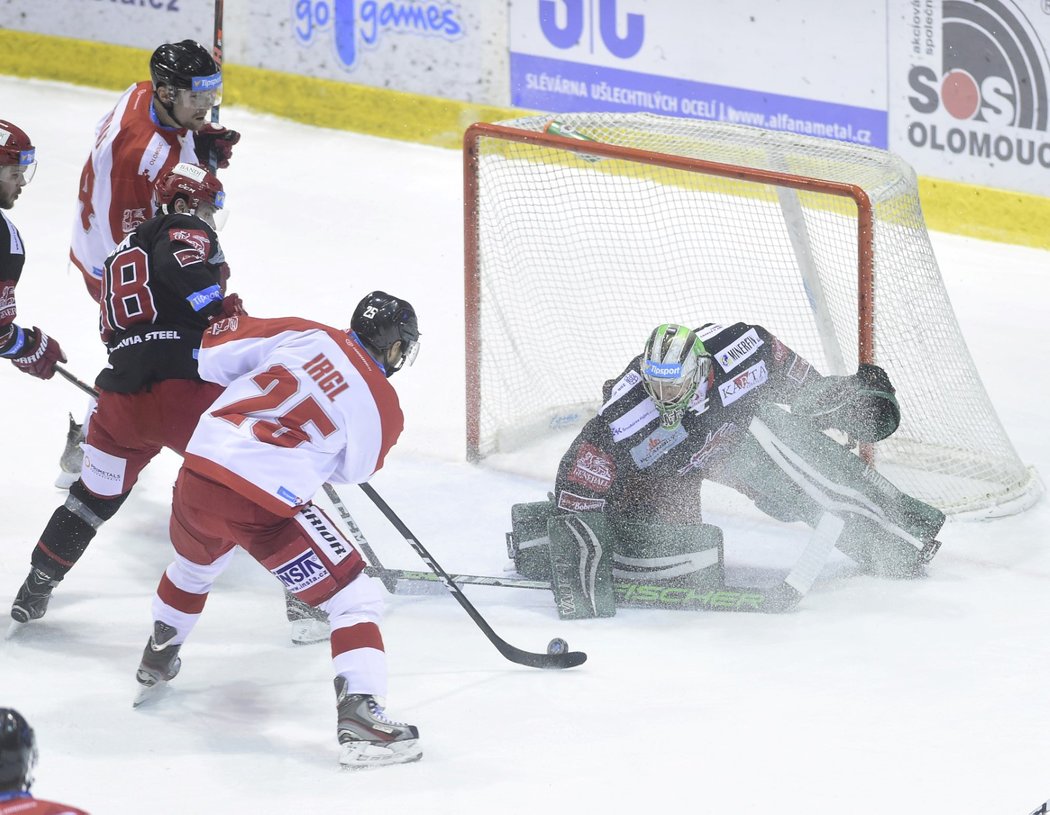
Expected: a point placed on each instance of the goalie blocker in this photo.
(597, 562)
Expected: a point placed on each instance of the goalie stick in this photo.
(628, 595)
(560, 659)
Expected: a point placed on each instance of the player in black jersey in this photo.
(29, 349)
(701, 405)
(161, 288)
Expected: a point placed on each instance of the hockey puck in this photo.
(557, 646)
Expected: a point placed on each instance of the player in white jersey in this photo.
(154, 126)
(304, 403)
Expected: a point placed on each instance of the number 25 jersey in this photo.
(304, 404)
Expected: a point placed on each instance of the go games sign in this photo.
(363, 25)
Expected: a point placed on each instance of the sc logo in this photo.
(571, 34)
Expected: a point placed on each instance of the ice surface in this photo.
(873, 697)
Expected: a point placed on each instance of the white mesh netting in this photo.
(578, 259)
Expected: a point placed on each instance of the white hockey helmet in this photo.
(673, 365)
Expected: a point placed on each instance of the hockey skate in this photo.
(367, 738)
(309, 624)
(72, 457)
(32, 598)
(160, 663)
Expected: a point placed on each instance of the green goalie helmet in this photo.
(673, 365)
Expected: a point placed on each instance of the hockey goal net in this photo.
(585, 232)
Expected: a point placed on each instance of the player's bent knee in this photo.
(196, 578)
(103, 473)
(361, 600)
(97, 508)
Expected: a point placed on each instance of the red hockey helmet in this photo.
(16, 150)
(198, 187)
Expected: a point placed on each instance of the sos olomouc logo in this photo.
(978, 83)
(357, 25)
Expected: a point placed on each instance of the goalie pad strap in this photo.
(663, 568)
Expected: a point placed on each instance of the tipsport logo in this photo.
(994, 76)
(357, 25)
(591, 25)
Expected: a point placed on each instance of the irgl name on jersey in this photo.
(324, 373)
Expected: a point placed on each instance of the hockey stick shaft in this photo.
(376, 568)
(398, 575)
(217, 55)
(80, 383)
(562, 660)
(628, 594)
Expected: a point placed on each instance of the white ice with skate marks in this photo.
(923, 696)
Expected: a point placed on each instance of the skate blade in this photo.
(66, 480)
(13, 629)
(149, 695)
(307, 632)
(362, 755)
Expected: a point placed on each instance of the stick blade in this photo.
(553, 662)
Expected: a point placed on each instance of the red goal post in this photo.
(615, 223)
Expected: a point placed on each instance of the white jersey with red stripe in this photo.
(304, 403)
(132, 150)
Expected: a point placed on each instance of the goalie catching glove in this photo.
(863, 405)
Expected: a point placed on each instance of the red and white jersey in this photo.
(132, 150)
(304, 404)
(22, 803)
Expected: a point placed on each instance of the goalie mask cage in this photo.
(577, 245)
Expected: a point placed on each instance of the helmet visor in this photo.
(204, 93)
(672, 386)
(21, 174)
(213, 214)
(410, 352)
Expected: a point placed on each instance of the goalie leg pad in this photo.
(581, 554)
(751, 472)
(528, 543)
(668, 555)
(886, 530)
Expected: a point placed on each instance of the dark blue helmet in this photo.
(17, 751)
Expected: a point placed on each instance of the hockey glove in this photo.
(862, 405)
(215, 140)
(35, 352)
(231, 307)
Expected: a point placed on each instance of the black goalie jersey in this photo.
(159, 288)
(623, 459)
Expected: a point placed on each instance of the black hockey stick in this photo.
(375, 567)
(560, 659)
(84, 386)
(216, 52)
